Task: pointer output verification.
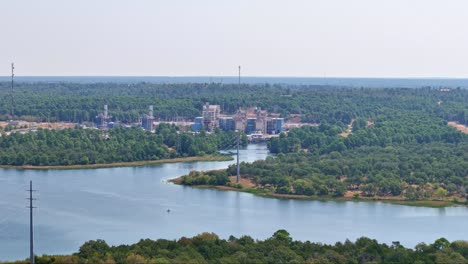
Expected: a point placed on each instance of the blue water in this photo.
(352, 82)
(123, 205)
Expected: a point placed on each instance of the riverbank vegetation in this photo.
(119, 145)
(280, 248)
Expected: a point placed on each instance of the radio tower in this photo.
(12, 95)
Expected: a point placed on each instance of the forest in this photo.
(364, 142)
(78, 103)
(279, 248)
(314, 161)
(404, 151)
(91, 146)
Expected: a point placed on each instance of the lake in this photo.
(123, 205)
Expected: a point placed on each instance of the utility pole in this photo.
(12, 95)
(31, 236)
(238, 166)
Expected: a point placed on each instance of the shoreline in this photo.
(120, 164)
(266, 194)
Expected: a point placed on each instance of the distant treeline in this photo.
(92, 146)
(280, 248)
(317, 104)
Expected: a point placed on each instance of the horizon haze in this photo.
(333, 38)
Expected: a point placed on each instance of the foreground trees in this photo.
(280, 248)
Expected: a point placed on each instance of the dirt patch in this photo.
(44, 125)
(346, 133)
(350, 194)
(459, 127)
(245, 182)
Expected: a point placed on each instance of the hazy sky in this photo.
(345, 38)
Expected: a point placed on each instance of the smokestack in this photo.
(151, 111)
(105, 111)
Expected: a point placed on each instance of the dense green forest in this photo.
(317, 104)
(405, 153)
(91, 146)
(280, 248)
(399, 143)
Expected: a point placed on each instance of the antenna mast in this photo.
(12, 95)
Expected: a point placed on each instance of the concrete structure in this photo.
(148, 120)
(251, 125)
(198, 125)
(240, 119)
(210, 116)
(250, 120)
(275, 125)
(227, 123)
(103, 118)
(261, 122)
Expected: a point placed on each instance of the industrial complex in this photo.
(252, 120)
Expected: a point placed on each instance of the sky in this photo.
(307, 38)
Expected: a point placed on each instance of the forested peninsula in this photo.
(115, 147)
(399, 150)
(279, 248)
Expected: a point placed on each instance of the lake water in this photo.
(123, 205)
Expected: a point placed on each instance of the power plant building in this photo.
(275, 126)
(210, 116)
(251, 126)
(148, 119)
(250, 120)
(227, 123)
(198, 125)
(103, 118)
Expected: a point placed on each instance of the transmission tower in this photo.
(31, 233)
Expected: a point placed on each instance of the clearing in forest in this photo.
(459, 127)
(346, 133)
(246, 183)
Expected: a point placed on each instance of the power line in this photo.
(238, 168)
(31, 233)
